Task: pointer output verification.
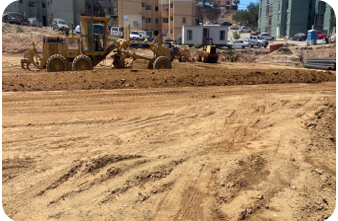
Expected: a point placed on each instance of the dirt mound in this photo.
(18, 42)
(192, 76)
(284, 51)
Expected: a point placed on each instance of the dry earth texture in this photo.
(225, 141)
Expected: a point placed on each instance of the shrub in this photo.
(233, 7)
(236, 35)
(196, 45)
(7, 25)
(19, 29)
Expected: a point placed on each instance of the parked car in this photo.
(244, 29)
(333, 38)
(208, 23)
(134, 35)
(234, 27)
(238, 44)
(299, 37)
(5, 18)
(143, 35)
(77, 30)
(321, 34)
(116, 32)
(59, 24)
(258, 41)
(97, 29)
(255, 33)
(266, 36)
(17, 18)
(33, 21)
(153, 38)
(166, 39)
(225, 23)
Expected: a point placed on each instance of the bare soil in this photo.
(226, 141)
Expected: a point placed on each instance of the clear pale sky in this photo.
(244, 3)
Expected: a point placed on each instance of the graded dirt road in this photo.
(259, 146)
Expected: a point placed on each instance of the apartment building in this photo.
(68, 10)
(225, 4)
(288, 17)
(158, 16)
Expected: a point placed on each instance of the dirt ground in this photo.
(245, 140)
(226, 141)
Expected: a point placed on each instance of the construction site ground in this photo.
(225, 141)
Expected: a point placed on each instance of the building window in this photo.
(109, 0)
(43, 5)
(171, 31)
(148, 20)
(171, 5)
(31, 4)
(21, 2)
(165, 20)
(148, 7)
(228, 2)
(222, 35)
(189, 37)
(143, 18)
(171, 18)
(142, 4)
(183, 20)
(156, 8)
(165, 8)
(109, 9)
(156, 20)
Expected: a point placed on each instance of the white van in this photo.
(116, 32)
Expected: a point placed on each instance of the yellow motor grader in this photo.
(85, 51)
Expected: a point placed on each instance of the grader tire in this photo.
(183, 59)
(56, 63)
(162, 62)
(82, 62)
(172, 54)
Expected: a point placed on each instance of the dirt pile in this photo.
(107, 78)
(18, 42)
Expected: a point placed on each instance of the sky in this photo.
(244, 3)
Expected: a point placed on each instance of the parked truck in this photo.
(198, 34)
(257, 41)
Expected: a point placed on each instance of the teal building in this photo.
(283, 18)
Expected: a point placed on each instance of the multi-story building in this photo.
(68, 10)
(225, 4)
(288, 17)
(158, 16)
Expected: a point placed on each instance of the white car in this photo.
(143, 35)
(266, 36)
(238, 44)
(116, 32)
(333, 38)
(134, 35)
(244, 29)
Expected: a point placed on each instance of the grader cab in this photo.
(85, 51)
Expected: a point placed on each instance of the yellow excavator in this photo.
(78, 53)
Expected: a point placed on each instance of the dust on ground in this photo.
(225, 141)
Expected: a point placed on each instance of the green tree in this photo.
(216, 4)
(236, 35)
(243, 16)
(253, 8)
(236, 2)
